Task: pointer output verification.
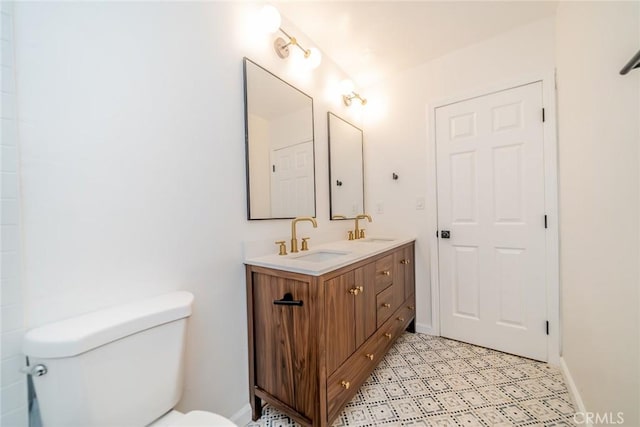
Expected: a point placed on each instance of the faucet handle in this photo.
(283, 247)
(305, 244)
(362, 233)
(350, 234)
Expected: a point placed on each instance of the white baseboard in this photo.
(243, 416)
(425, 329)
(573, 390)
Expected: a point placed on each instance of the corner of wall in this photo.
(13, 411)
(243, 416)
(573, 389)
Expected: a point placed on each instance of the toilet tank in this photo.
(121, 366)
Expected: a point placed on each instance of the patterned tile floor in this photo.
(432, 381)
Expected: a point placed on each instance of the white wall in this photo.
(599, 139)
(291, 129)
(134, 171)
(13, 387)
(398, 140)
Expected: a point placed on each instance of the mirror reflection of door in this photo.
(346, 175)
(292, 174)
(280, 147)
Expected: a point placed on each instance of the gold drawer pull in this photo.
(388, 335)
(386, 305)
(369, 356)
(411, 307)
(401, 319)
(385, 273)
(405, 261)
(345, 384)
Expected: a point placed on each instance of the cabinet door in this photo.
(384, 273)
(282, 345)
(365, 303)
(403, 274)
(409, 271)
(340, 314)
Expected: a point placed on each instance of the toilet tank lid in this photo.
(79, 334)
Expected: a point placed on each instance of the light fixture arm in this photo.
(347, 99)
(282, 46)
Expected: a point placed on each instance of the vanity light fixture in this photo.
(349, 97)
(271, 21)
(349, 93)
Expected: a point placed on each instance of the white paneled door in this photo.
(491, 221)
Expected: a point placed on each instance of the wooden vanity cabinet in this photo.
(313, 340)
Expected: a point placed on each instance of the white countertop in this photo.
(330, 256)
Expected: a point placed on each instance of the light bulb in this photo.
(315, 57)
(270, 19)
(346, 87)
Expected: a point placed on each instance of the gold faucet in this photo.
(294, 238)
(359, 234)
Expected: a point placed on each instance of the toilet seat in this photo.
(193, 419)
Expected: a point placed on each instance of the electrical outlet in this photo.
(420, 202)
(380, 207)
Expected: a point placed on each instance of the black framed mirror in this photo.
(279, 139)
(346, 168)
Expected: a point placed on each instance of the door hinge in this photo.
(545, 222)
(543, 115)
(547, 327)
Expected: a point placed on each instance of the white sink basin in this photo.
(321, 256)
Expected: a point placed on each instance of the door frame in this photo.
(550, 148)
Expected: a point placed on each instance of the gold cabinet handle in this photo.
(357, 290)
(411, 307)
(401, 319)
(386, 305)
(388, 335)
(369, 356)
(345, 385)
(385, 273)
(405, 261)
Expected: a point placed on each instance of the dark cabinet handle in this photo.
(339, 183)
(287, 299)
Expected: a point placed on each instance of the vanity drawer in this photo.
(343, 384)
(386, 305)
(396, 325)
(403, 316)
(384, 273)
(410, 306)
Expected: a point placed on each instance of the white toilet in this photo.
(121, 366)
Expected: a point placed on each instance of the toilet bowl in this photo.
(121, 366)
